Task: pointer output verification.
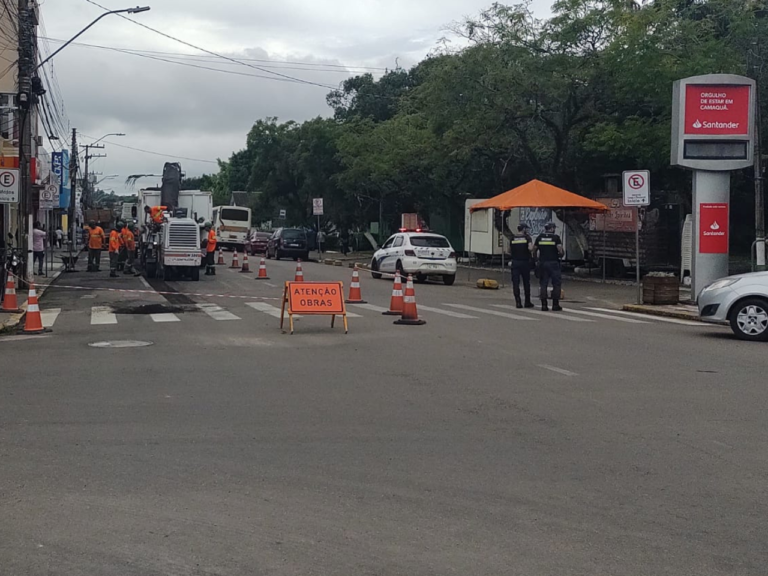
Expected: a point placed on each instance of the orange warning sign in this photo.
(314, 299)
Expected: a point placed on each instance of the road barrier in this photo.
(262, 271)
(410, 315)
(10, 302)
(220, 261)
(299, 272)
(355, 294)
(235, 260)
(34, 320)
(246, 267)
(396, 302)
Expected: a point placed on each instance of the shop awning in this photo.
(538, 194)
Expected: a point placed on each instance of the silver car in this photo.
(742, 301)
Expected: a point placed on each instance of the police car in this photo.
(416, 252)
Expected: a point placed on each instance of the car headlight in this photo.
(724, 283)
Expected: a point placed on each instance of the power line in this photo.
(151, 151)
(286, 76)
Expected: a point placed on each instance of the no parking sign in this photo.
(9, 186)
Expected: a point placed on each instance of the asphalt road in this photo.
(486, 442)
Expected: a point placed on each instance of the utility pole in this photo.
(88, 156)
(25, 97)
(73, 195)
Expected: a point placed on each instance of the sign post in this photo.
(637, 193)
(713, 133)
(317, 210)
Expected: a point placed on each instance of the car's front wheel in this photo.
(374, 269)
(449, 280)
(749, 319)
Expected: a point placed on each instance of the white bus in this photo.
(231, 224)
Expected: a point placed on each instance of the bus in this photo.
(231, 224)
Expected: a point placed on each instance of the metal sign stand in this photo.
(637, 257)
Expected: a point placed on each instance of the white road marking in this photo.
(491, 312)
(144, 281)
(657, 318)
(371, 307)
(217, 312)
(558, 370)
(608, 317)
(168, 317)
(353, 315)
(270, 284)
(88, 297)
(102, 315)
(559, 315)
(268, 309)
(446, 312)
(49, 316)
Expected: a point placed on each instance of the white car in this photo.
(419, 253)
(742, 301)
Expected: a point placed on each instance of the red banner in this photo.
(716, 109)
(713, 228)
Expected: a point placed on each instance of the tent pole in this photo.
(501, 232)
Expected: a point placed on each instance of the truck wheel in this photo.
(195, 274)
(151, 270)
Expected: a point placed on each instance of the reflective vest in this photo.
(211, 247)
(128, 238)
(157, 213)
(114, 241)
(96, 238)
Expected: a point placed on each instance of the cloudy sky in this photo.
(187, 110)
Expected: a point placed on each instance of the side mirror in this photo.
(134, 211)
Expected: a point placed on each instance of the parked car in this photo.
(256, 242)
(288, 242)
(420, 253)
(740, 300)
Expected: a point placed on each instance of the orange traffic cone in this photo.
(355, 295)
(246, 267)
(396, 303)
(299, 272)
(34, 321)
(220, 261)
(10, 303)
(235, 260)
(262, 271)
(410, 314)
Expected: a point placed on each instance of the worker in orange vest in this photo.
(157, 214)
(95, 244)
(129, 246)
(210, 249)
(115, 244)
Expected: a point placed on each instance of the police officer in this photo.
(548, 248)
(520, 245)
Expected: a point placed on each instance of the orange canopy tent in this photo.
(538, 194)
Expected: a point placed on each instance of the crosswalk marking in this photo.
(267, 309)
(447, 312)
(491, 312)
(559, 315)
(49, 316)
(102, 315)
(657, 318)
(165, 318)
(217, 312)
(609, 317)
(371, 307)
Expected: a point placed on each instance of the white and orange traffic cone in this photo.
(246, 266)
(235, 260)
(396, 302)
(10, 302)
(34, 321)
(355, 294)
(262, 271)
(299, 272)
(410, 315)
(220, 261)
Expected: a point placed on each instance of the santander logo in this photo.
(697, 124)
(715, 226)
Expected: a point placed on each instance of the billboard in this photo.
(713, 228)
(716, 109)
(60, 164)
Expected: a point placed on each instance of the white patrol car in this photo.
(419, 253)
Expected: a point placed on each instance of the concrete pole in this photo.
(708, 187)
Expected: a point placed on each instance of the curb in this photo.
(12, 322)
(640, 309)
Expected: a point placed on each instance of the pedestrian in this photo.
(321, 241)
(548, 248)
(520, 245)
(38, 247)
(129, 243)
(210, 250)
(115, 244)
(59, 236)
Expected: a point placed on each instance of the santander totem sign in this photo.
(713, 118)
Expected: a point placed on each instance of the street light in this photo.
(106, 136)
(76, 36)
(110, 177)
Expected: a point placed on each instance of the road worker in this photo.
(210, 250)
(156, 213)
(95, 244)
(548, 248)
(115, 244)
(129, 246)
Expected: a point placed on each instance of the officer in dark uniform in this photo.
(549, 249)
(520, 245)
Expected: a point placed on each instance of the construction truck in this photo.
(171, 249)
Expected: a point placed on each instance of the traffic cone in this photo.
(10, 303)
(220, 261)
(299, 272)
(396, 303)
(410, 314)
(355, 295)
(246, 267)
(34, 321)
(235, 260)
(262, 271)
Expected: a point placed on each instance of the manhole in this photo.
(120, 344)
